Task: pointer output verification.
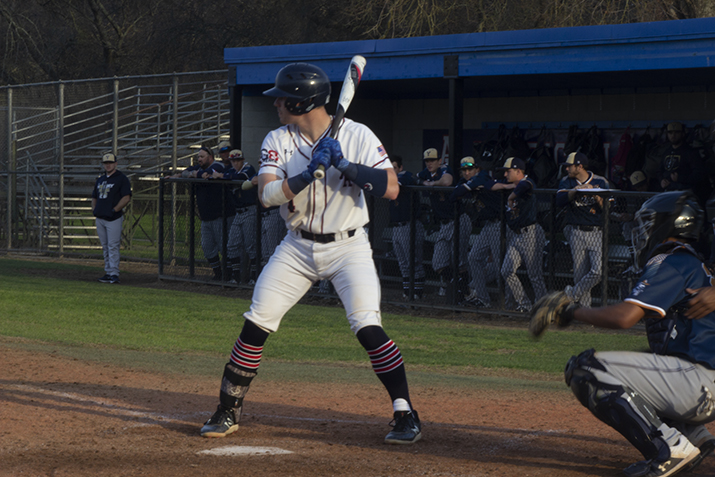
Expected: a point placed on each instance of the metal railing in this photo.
(52, 135)
(181, 256)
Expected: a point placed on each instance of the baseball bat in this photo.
(350, 84)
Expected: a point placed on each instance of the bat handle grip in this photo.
(319, 172)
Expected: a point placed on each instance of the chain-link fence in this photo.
(467, 260)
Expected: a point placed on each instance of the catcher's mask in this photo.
(304, 86)
(670, 214)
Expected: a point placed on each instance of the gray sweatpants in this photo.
(110, 236)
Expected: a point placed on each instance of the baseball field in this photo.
(100, 379)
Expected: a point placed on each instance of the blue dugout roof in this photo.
(673, 55)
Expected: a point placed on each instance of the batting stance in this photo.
(326, 240)
(660, 400)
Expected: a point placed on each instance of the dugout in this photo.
(457, 89)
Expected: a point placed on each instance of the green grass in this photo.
(38, 304)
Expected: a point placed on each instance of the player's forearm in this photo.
(274, 192)
(621, 316)
(377, 182)
(122, 203)
(445, 180)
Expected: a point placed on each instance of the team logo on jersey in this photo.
(381, 150)
(268, 156)
(103, 190)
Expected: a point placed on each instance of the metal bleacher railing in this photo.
(53, 134)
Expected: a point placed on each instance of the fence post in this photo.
(174, 152)
(10, 150)
(61, 137)
(115, 117)
(160, 239)
(604, 251)
(413, 242)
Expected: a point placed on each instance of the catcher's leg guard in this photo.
(618, 406)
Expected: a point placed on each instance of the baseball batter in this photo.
(325, 240)
(659, 400)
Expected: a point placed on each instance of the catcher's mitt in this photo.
(554, 308)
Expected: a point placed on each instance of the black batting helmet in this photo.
(669, 214)
(304, 86)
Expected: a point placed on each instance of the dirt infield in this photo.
(67, 416)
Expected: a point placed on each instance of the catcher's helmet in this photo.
(670, 214)
(304, 86)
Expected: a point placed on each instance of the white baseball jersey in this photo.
(329, 205)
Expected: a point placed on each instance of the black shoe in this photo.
(681, 455)
(406, 429)
(222, 423)
(114, 279)
(705, 450)
(106, 278)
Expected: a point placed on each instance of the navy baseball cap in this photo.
(576, 158)
(514, 163)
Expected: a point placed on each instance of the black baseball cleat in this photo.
(681, 455)
(105, 279)
(222, 423)
(406, 428)
(705, 450)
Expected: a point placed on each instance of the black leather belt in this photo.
(588, 228)
(323, 238)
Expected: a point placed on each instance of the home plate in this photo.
(244, 450)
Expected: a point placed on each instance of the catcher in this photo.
(658, 401)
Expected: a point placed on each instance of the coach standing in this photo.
(112, 192)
